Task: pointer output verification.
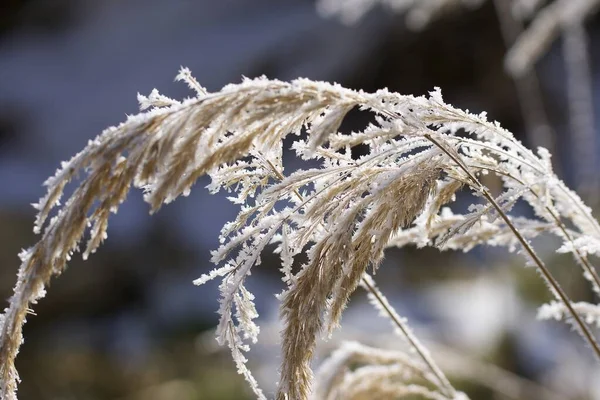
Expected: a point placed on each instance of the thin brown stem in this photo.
(566, 192)
(594, 278)
(554, 285)
(435, 370)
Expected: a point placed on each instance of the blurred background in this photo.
(128, 323)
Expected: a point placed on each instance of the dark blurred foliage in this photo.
(45, 16)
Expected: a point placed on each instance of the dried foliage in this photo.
(341, 214)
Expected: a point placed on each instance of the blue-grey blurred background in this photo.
(128, 323)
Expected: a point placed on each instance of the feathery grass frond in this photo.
(342, 214)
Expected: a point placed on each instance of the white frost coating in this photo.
(213, 274)
(341, 213)
(585, 244)
(185, 75)
(557, 311)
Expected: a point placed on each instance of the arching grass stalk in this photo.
(553, 284)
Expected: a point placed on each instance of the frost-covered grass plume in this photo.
(341, 214)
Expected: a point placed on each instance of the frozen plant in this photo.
(342, 214)
(529, 28)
